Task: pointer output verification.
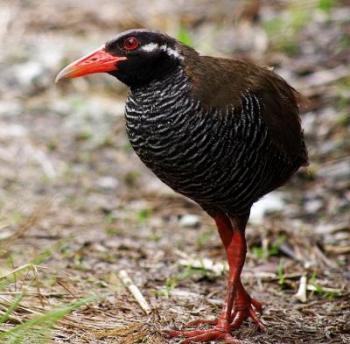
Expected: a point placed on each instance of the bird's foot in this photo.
(249, 309)
(245, 309)
(221, 332)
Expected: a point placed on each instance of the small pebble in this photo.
(107, 183)
(190, 221)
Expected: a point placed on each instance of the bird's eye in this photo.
(131, 43)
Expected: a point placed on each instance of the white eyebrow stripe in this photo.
(170, 51)
(150, 47)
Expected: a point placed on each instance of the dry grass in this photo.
(77, 207)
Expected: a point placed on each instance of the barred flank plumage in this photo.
(222, 159)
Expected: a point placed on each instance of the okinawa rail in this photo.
(223, 132)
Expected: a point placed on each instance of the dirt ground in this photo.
(77, 207)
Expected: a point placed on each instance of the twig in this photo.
(19, 269)
(337, 249)
(301, 293)
(269, 276)
(325, 259)
(135, 291)
(311, 287)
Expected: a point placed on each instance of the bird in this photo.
(223, 132)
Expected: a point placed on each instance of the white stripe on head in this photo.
(150, 47)
(170, 51)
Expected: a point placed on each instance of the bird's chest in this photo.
(206, 154)
(158, 132)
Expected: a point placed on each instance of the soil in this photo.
(77, 204)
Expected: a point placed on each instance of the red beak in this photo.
(97, 62)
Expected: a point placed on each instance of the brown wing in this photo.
(219, 82)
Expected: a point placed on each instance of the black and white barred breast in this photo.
(220, 158)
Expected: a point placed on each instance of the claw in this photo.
(216, 334)
(257, 305)
(260, 324)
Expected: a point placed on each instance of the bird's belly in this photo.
(214, 168)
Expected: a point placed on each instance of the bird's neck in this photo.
(159, 114)
(161, 95)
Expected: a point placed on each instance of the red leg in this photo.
(244, 306)
(233, 237)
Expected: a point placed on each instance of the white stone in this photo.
(269, 203)
(189, 220)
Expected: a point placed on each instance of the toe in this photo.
(238, 318)
(208, 336)
(255, 318)
(257, 305)
(201, 322)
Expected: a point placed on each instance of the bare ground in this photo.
(76, 202)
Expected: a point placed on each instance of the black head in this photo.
(149, 55)
(135, 57)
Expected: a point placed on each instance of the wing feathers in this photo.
(220, 83)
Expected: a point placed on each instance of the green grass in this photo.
(327, 5)
(186, 273)
(37, 329)
(272, 249)
(13, 306)
(183, 35)
(170, 284)
(203, 238)
(144, 215)
(283, 30)
(327, 293)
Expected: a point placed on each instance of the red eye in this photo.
(131, 43)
